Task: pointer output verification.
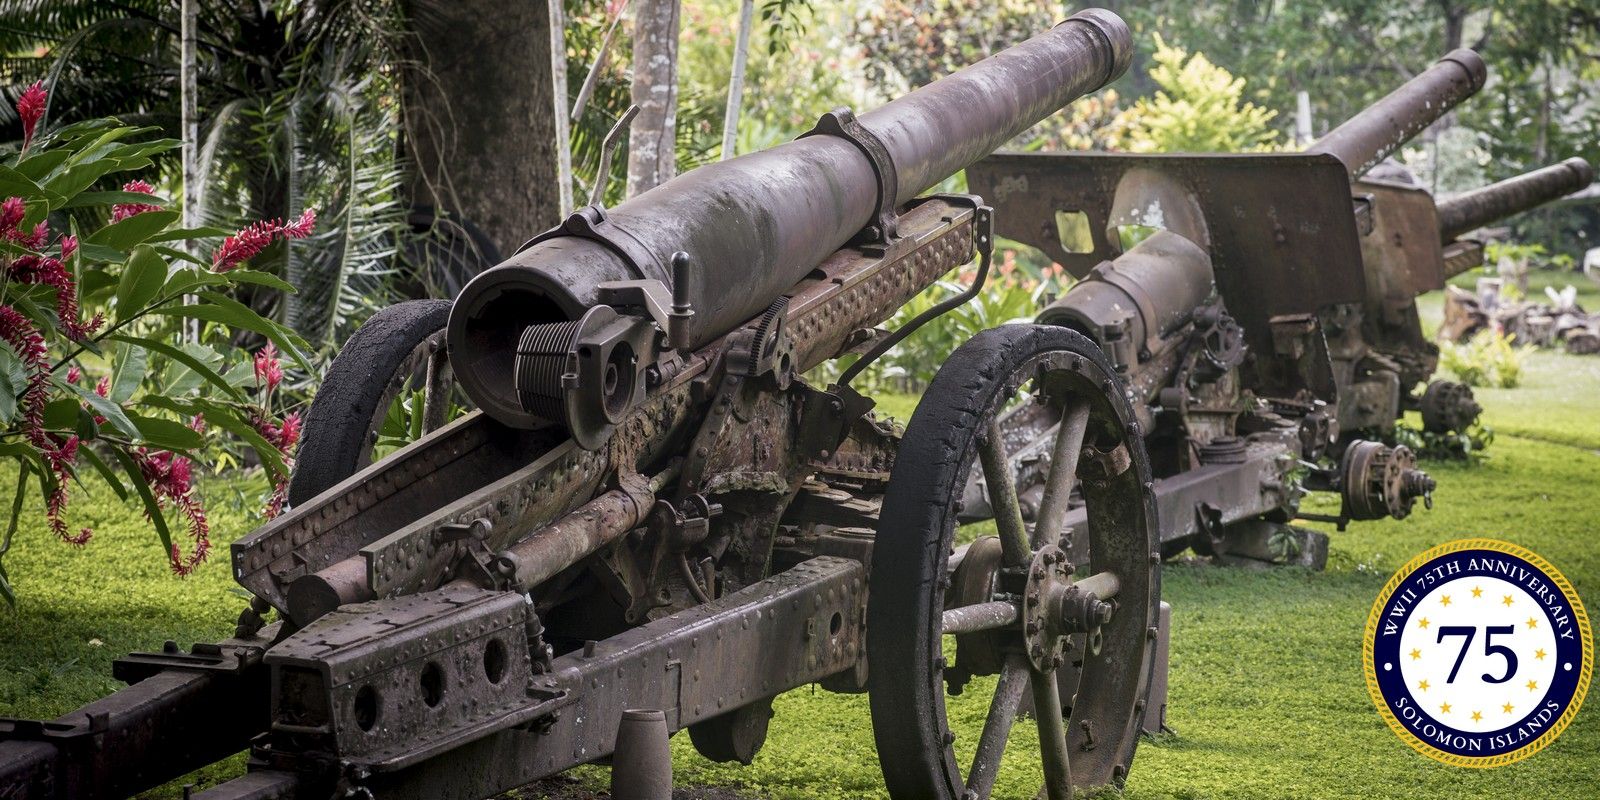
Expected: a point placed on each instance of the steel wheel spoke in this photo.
(1001, 481)
(1052, 735)
(436, 394)
(997, 727)
(1063, 473)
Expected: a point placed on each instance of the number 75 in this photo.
(1489, 648)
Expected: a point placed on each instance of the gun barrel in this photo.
(1367, 138)
(1469, 211)
(755, 225)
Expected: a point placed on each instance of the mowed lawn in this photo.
(1267, 694)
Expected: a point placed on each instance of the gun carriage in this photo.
(1261, 309)
(652, 522)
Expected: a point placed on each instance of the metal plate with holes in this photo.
(392, 681)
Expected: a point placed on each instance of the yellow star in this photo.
(1507, 707)
(1539, 654)
(1533, 685)
(1533, 623)
(1444, 707)
(1476, 592)
(1423, 623)
(1415, 654)
(1476, 717)
(1445, 600)
(1507, 600)
(1423, 685)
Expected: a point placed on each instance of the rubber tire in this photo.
(930, 469)
(337, 424)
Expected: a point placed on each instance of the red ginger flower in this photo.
(11, 213)
(249, 242)
(284, 437)
(24, 338)
(122, 211)
(51, 272)
(30, 107)
(269, 369)
(171, 481)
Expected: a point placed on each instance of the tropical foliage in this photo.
(298, 111)
(116, 355)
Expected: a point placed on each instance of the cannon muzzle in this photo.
(1370, 136)
(753, 226)
(1469, 211)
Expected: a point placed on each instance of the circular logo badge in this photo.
(1478, 653)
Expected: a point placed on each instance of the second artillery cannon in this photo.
(1262, 310)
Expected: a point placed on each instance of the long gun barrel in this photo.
(753, 226)
(1367, 138)
(1472, 210)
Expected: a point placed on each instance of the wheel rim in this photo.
(1039, 620)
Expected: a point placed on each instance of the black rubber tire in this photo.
(337, 427)
(914, 539)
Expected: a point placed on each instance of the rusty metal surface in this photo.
(794, 628)
(137, 738)
(762, 221)
(1471, 210)
(1380, 129)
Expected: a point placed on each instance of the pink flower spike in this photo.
(301, 228)
(269, 370)
(30, 107)
(74, 374)
(11, 214)
(122, 211)
(69, 246)
(289, 434)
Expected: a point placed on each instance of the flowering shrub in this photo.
(124, 394)
(1491, 358)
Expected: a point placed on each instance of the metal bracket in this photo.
(842, 122)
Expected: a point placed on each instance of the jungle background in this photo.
(423, 134)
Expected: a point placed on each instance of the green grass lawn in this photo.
(1267, 694)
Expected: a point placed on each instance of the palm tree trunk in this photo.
(478, 119)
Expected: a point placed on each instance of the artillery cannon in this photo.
(651, 509)
(1261, 309)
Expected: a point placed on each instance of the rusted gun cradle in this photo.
(653, 522)
(1267, 326)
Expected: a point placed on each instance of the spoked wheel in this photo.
(1069, 624)
(398, 351)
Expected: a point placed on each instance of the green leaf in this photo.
(133, 230)
(62, 414)
(16, 184)
(189, 233)
(13, 382)
(220, 308)
(87, 199)
(260, 279)
(39, 165)
(229, 419)
(101, 253)
(106, 408)
(69, 182)
(168, 434)
(142, 279)
(104, 469)
(177, 254)
(151, 507)
(186, 359)
(17, 499)
(129, 372)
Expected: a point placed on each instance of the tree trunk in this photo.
(478, 116)
(651, 150)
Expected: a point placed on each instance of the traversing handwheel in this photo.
(399, 349)
(1066, 620)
